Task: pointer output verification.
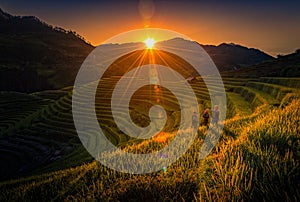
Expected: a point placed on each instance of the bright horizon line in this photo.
(167, 39)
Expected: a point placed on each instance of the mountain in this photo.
(36, 56)
(283, 66)
(232, 56)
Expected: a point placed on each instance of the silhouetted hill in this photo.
(232, 56)
(36, 56)
(283, 66)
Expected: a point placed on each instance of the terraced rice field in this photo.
(38, 139)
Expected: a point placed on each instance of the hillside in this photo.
(232, 56)
(36, 56)
(256, 159)
(283, 66)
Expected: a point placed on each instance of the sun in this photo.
(149, 43)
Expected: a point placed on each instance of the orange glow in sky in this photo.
(146, 35)
(271, 26)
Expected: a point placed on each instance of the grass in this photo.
(262, 164)
(256, 159)
(237, 105)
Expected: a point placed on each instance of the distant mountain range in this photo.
(283, 66)
(232, 56)
(36, 56)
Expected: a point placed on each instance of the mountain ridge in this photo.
(283, 66)
(36, 56)
(231, 57)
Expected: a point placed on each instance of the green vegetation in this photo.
(257, 157)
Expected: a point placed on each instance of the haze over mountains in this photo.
(35, 56)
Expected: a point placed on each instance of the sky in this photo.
(271, 26)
